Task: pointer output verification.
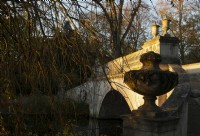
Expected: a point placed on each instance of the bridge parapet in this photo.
(164, 45)
(192, 68)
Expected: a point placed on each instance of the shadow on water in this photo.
(113, 106)
(100, 127)
(41, 124)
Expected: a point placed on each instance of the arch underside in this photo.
(113, 106)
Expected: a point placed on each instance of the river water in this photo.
(99, 127)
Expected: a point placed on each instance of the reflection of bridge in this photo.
(109, 97)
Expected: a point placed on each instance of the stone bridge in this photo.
(109, 97)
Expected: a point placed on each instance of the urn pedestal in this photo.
(150, 81)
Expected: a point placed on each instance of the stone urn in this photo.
(150, 81)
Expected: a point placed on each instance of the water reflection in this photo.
(101, 127)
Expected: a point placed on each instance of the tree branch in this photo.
(133, 14)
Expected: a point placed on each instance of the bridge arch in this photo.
(107, 95)
(113, 105)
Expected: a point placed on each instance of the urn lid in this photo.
(150, 60)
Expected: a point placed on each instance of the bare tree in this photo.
(182, 13)
(114, 16)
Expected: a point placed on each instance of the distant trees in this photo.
(114, 13)
(193, 40)
(138, 33)
(185, 25)
(119, 25)
(104, 19)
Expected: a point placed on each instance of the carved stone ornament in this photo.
(150, 81)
